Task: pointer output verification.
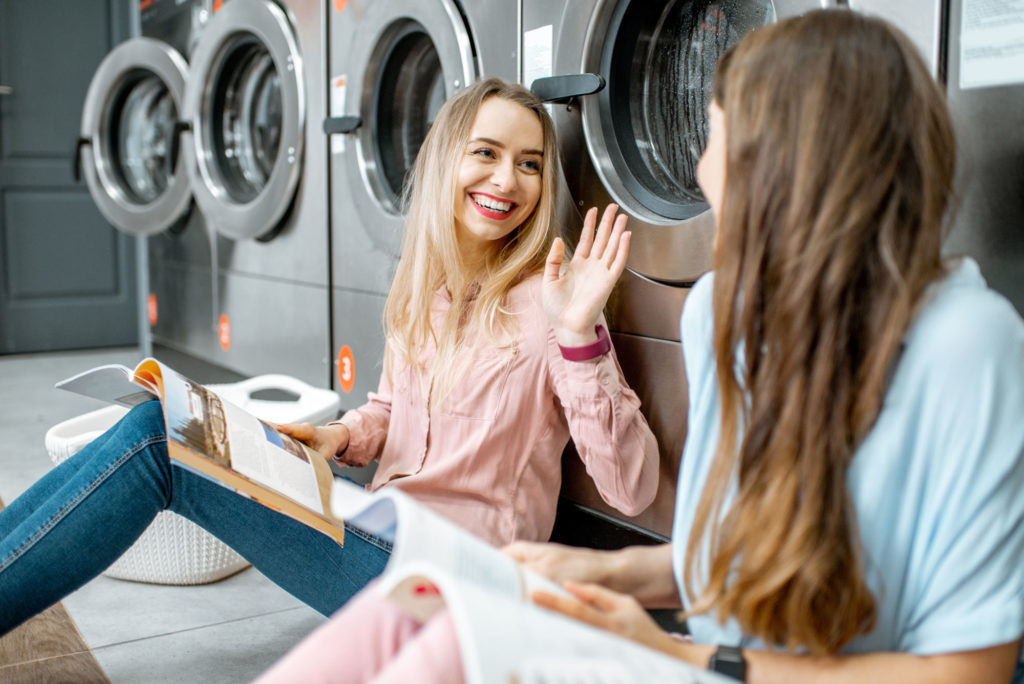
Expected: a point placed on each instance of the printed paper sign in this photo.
(538, 59)
(991, 43)
(338, 85)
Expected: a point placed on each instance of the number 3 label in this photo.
(224, 332)
(346, 369)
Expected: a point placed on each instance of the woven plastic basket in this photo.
(174, 550)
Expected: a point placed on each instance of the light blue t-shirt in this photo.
(937, 486)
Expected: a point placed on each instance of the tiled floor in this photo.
(228, 631)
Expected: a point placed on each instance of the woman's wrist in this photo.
(619, 570)
(575, 338)
(698, 655)
(342, 437)
(598, 345)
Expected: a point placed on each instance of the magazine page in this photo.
(112, 383)
(421, 535)
(221, 441)
(504, 640)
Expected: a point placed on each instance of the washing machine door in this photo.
(246, 104)
(128, 120)
(407, 58)
(646, 130)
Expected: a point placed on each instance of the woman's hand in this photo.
(575, 295)
(326, 439)
(560, 563)
(644, 571)
(616, 613)
(622, 615)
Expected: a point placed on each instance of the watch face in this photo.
(728, 660)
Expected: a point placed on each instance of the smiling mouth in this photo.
(492, 205)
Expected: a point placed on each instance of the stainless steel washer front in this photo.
(646, 130)
(132, 104)
(246, 104)
(408, 57)
(392, 65)
(636, 142)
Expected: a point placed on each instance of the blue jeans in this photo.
(78, 519)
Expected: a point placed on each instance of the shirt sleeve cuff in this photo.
(583, 377)
(352, 420)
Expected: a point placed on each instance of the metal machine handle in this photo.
(76, 163)
(172, 156)
(562, 89)
(6, 90)
(342, 124)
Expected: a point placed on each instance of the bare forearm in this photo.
(644, 572)
(995, 664)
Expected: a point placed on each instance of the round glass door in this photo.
(408, 94)
(246, 100)
(139, 136)
(246, 119)
(405, 58)
(128, 122)
(651, 127)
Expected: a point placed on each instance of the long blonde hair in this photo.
(839, 169)
(431, 258)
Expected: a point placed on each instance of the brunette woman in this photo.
(851, 495)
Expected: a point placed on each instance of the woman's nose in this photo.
(504, 177)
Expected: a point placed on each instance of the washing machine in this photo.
(391, 66)
(252, 145)
(629, 82)
(974, 48)
(133, 104)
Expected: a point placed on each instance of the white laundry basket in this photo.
(174, 550)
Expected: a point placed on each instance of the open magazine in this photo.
(434, 564)
(213, 437)
(503, 636)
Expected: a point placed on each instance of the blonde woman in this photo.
(496, 355)
(851, 496)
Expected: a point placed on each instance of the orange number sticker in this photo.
(151, 309)
(346, 369)
(224, 332)
(339, 5)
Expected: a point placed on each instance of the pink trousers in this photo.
(372, 640)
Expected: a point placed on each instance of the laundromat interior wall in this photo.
(67, 277)
(240, 165)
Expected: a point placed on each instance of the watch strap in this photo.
(601, 346)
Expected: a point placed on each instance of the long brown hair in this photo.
(839, 168)
(430, 255)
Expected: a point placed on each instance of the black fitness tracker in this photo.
(728, 660)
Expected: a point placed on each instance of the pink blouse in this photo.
(489, 458)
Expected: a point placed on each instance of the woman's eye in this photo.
(484, 152)
(531, 166)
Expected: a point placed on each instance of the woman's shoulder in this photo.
(697, 315)
(962, 322)
(962, 366)
(701, 292)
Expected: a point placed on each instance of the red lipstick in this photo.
(488, 213)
